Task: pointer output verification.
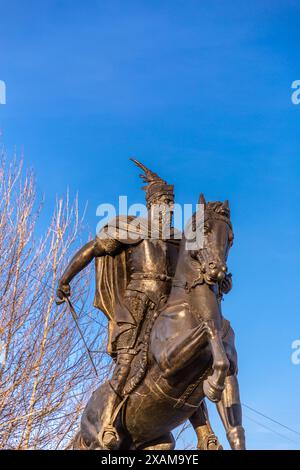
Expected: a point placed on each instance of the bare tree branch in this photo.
(46, 376)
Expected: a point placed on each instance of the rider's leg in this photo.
(137, 305)
(230, 411)
(108, 435)
(207, 440)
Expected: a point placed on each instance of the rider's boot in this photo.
(108, 435)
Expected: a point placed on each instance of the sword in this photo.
(75, 317)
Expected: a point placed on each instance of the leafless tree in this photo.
(45, 373)
(46, 376)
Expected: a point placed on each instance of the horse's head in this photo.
(217, 240)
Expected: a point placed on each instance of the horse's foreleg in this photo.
(180, 352)
(230, 411)
(213, 386)
(205, 305)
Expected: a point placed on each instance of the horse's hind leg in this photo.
(165, 442)
(229, 407)
(230, 411)
(207, 440)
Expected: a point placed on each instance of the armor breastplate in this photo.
(151, 265)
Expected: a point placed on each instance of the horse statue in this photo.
(188, 351)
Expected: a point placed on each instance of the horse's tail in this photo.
(133, 383)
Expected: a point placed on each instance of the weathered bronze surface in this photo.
(171, 345)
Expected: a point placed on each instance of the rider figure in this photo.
(150, 275)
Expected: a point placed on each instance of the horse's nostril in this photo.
(212, 265)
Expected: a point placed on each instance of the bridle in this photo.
(188, 286)
(208, 215)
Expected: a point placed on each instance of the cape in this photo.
(112, 276)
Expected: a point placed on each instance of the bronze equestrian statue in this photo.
(167, 335)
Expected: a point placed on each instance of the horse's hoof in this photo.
(212, 392)
(110, 439)
(213, 443)
(236, 438)
(210, 442)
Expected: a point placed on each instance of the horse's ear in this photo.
(226, 204)
(202, 200)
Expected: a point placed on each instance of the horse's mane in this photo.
(212, 209)
(219, 208)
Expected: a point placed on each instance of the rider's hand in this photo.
(62, 292)
(227, 284)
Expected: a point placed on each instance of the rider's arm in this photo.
(92, 249)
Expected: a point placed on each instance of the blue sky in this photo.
(200, 91)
